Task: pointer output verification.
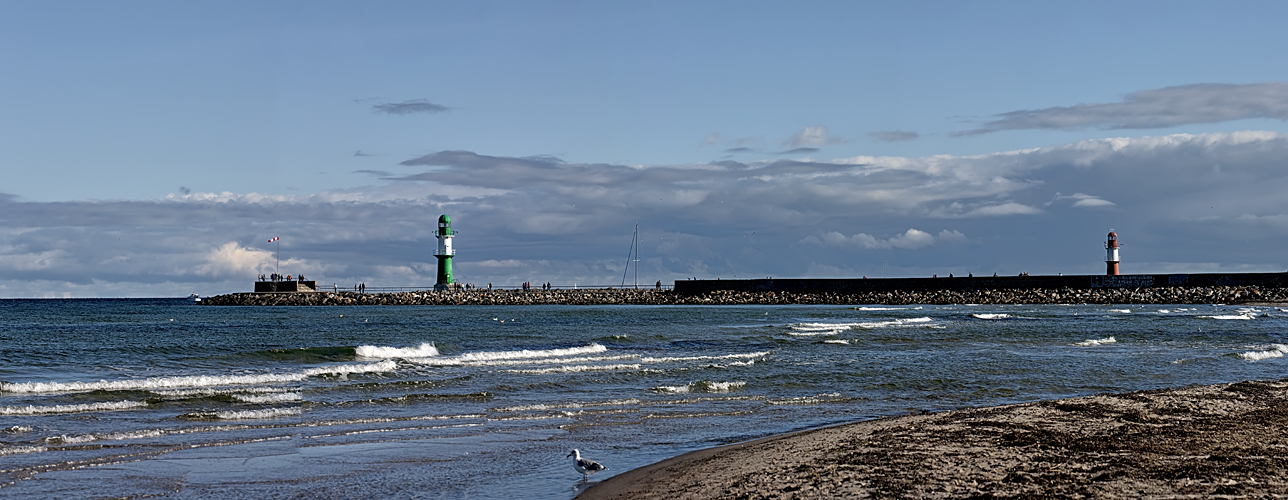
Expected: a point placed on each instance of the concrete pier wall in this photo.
(285, 286)
(1078, 282)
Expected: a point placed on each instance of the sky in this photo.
(152, 149)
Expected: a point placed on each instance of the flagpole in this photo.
(278, 239)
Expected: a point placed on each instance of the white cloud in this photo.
(911, 239)
(952, 237)
(233, 259)
(1082, 200)
(1093, 202)
(811, 137)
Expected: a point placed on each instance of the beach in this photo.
(1223, 440)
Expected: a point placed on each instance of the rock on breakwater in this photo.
(1162, 295)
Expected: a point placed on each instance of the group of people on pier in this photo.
(278, 277)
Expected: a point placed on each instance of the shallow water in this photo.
(142, 397)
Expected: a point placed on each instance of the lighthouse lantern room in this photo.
(1111, 255)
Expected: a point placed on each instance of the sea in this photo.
(161, 397)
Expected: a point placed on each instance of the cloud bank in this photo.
(1180, 203)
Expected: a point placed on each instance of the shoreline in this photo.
(1223, 439)
(1251, 295)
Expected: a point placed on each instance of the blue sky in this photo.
(152, 148)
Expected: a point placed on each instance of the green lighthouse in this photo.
(445, 252)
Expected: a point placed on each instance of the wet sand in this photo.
(1227, 440)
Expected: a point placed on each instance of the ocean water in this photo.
(117, 398)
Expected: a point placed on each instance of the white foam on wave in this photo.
(1237, 317)
(257, 414)
(701, 386)
(110, 436)
(578, 368)
(805, 400)
(866, 308)
(1276, 351)
(425, 350)
(196, 380)
(836, 341)
(80, 408)
(1124, 311)
(529, 361)
(17, 429)
(569, 405)
(1096, 342)
(14, 450)
(1163, 311)
(814, 329)
(210, 391)
(281, 397)
(672, 359)
(989, 315)
(492, 356)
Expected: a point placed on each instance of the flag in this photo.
(275, 238)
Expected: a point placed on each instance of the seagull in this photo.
(584, 466)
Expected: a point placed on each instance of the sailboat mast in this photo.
(637, 255)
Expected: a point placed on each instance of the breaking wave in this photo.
(1241, 314)
(671, 359)
(1276, 351)
(281, 397)
(488, 356)
(989, 316)
(577, 368)
(195, 380)
(242, 414)
(14, 450)
(1096, 342)
(87, 407)
(424, 350)
(700, 386)
(813, 329)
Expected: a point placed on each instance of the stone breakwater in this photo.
(1161, 295)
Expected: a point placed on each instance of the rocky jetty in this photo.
(1156, 295)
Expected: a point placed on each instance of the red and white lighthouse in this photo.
(1111, 255)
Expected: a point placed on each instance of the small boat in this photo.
(194, 298)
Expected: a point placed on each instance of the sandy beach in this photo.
(1218, 441)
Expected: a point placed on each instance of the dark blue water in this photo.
(121, 398)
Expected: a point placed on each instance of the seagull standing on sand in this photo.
(584, 466)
